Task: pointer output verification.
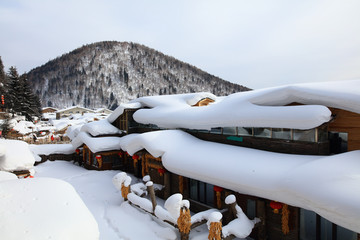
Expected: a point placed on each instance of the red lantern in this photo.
(161, 171)
(218, 189)
(135, 157)
(99, 160)
(77, 151)
(127, 154)
(276, 206)
(120, 154)
(2, 99)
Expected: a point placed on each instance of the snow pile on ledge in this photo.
(15, 155)
(47, 149)
(326, 185)
(51, 210)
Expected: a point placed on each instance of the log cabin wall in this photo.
(348, 122)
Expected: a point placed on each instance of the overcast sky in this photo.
(254, 43)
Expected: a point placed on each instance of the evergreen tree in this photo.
(19, 97)
(2, 81)
(13, 88)
(2, 76)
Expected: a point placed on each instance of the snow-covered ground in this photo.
(116, 219)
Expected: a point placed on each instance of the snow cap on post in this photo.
(230, 199)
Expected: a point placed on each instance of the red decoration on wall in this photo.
(135, 157)
(77, 151)
(276, 206)
(161, 171)
(98, 157)
(120, 154)
(218, 189)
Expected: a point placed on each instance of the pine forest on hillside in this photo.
(108, 73)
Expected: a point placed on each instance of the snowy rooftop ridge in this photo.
(258, 108)
(292, 179)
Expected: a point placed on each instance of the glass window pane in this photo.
(307, 225)
(229, 130)
(304, 135)
(202, 191)
(209, 194)
(194, 189)
(245, 131)
(343, 233)
(251, 208)
(262, 132)
(281, 133)
(326, 229)
(216, 130)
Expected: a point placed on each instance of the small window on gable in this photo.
(203, 102)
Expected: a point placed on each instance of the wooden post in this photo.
(232, 210)
(150, 189)
(181, 184)
(167, 184)
(261, 213)
(184, 223)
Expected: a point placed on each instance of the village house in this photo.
(277, 148)
(48, 110)
(72, 110)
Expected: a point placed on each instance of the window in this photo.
(304, 135)
(251, 209)
(262, 132)
(216, 130)
(229, 130)
(202, 192)
(312, 225)
(338, 142)
(281, 133)
(245, 131)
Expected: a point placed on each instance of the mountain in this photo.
(109, 73)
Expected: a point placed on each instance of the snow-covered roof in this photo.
(102, 127)
(74, 107)
(44, 208)
(327, 185)
(119, 110)
(258, 108)
(15, 155)
(47, 149)
(98, 144)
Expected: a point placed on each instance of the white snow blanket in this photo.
(326, 185)
(258, 108)
(15, 155)
(4, 176)
(44, 208)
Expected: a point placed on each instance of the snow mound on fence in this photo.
(15, 155)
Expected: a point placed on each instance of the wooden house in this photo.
(48, 110)
(72, 110)
(337, 132)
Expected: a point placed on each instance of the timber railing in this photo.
(177, 214)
